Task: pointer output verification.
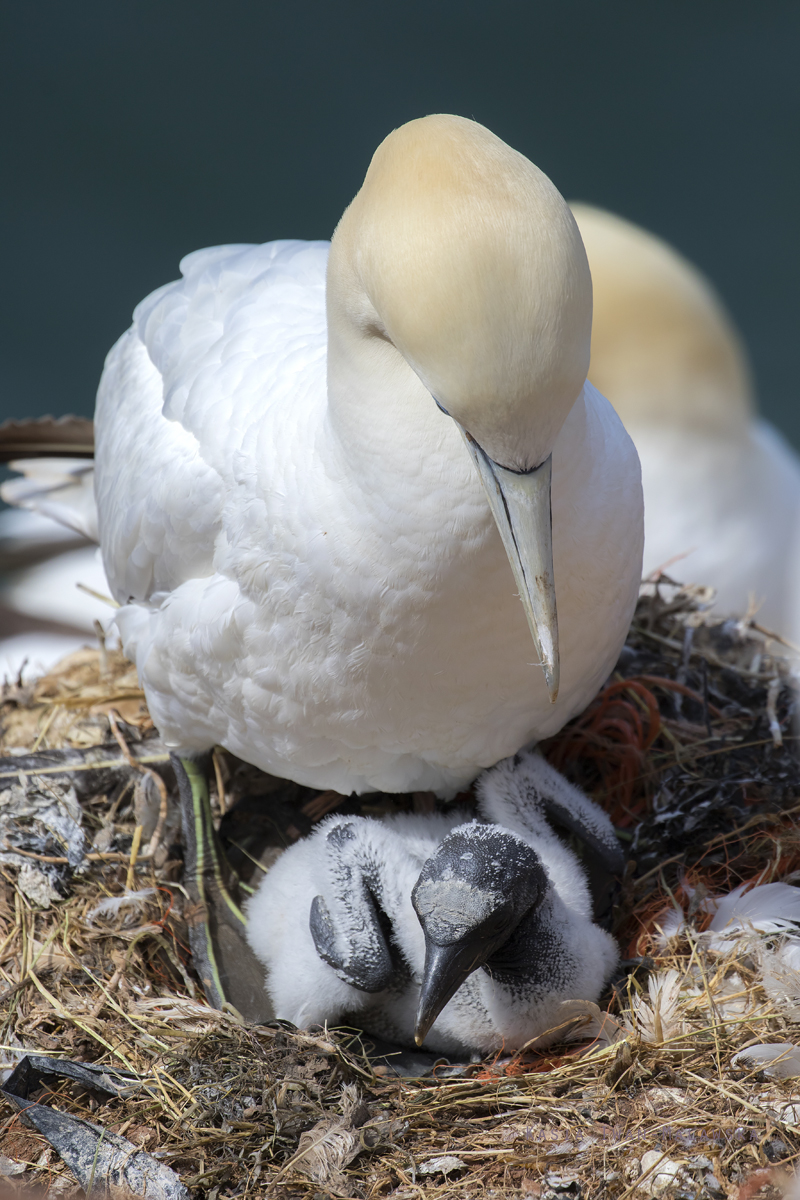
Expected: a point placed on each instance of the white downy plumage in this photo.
(721, 486)
(357, 863)
(307, 563)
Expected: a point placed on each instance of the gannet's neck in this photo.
(382, 414)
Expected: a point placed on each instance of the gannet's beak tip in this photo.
(551, 675)
(418, 1039)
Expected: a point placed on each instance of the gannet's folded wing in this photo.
(186, 411)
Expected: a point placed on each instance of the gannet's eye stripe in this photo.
(441, 406)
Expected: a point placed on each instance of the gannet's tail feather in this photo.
(54, 458)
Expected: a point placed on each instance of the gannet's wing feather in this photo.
(520, 791)
(182, 404)
(568, 807)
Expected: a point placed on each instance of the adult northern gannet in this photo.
(314, 464)
(721, 486)
(389, 923)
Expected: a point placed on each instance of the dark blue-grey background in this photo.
(136, 130)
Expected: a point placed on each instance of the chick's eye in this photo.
(498, 923)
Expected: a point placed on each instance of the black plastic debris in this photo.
(101, 1161)
(90, 771)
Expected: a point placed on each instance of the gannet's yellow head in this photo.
(476, 272)
(460, 253)
(664, 350)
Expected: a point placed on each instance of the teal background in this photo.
(134, 131)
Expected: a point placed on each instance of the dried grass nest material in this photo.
(691, 747)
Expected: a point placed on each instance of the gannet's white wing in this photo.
(181, 406)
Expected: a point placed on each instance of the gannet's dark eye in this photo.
(498, 923)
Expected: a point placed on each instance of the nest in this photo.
(690, 747)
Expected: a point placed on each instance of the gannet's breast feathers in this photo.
(181, 405)
(664, 350)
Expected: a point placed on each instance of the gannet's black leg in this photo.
(228, 969)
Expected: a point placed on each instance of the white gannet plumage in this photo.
(388, 922)
(721, 486)
(307, 563)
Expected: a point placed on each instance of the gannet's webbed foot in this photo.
(348, 932)
(228, 970)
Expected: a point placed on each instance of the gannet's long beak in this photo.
(520, 504)
(446, 968)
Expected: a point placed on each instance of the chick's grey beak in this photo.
(446, 968)
(520, 504)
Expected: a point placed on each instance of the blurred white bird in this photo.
(44, 613)
(721, 486)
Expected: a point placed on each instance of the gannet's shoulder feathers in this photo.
(527, 795)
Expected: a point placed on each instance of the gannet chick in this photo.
(466, 935)
(369, 526)
(721, 486)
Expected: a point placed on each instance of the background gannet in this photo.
(44, 615)
(314, 465)
(47, 545)
(388, 922)
(721, 486)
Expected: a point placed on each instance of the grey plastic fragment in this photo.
(100, 1160)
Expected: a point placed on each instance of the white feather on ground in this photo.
(656, 1017)
(767, 908)
(778, 1060)
(131, 903)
